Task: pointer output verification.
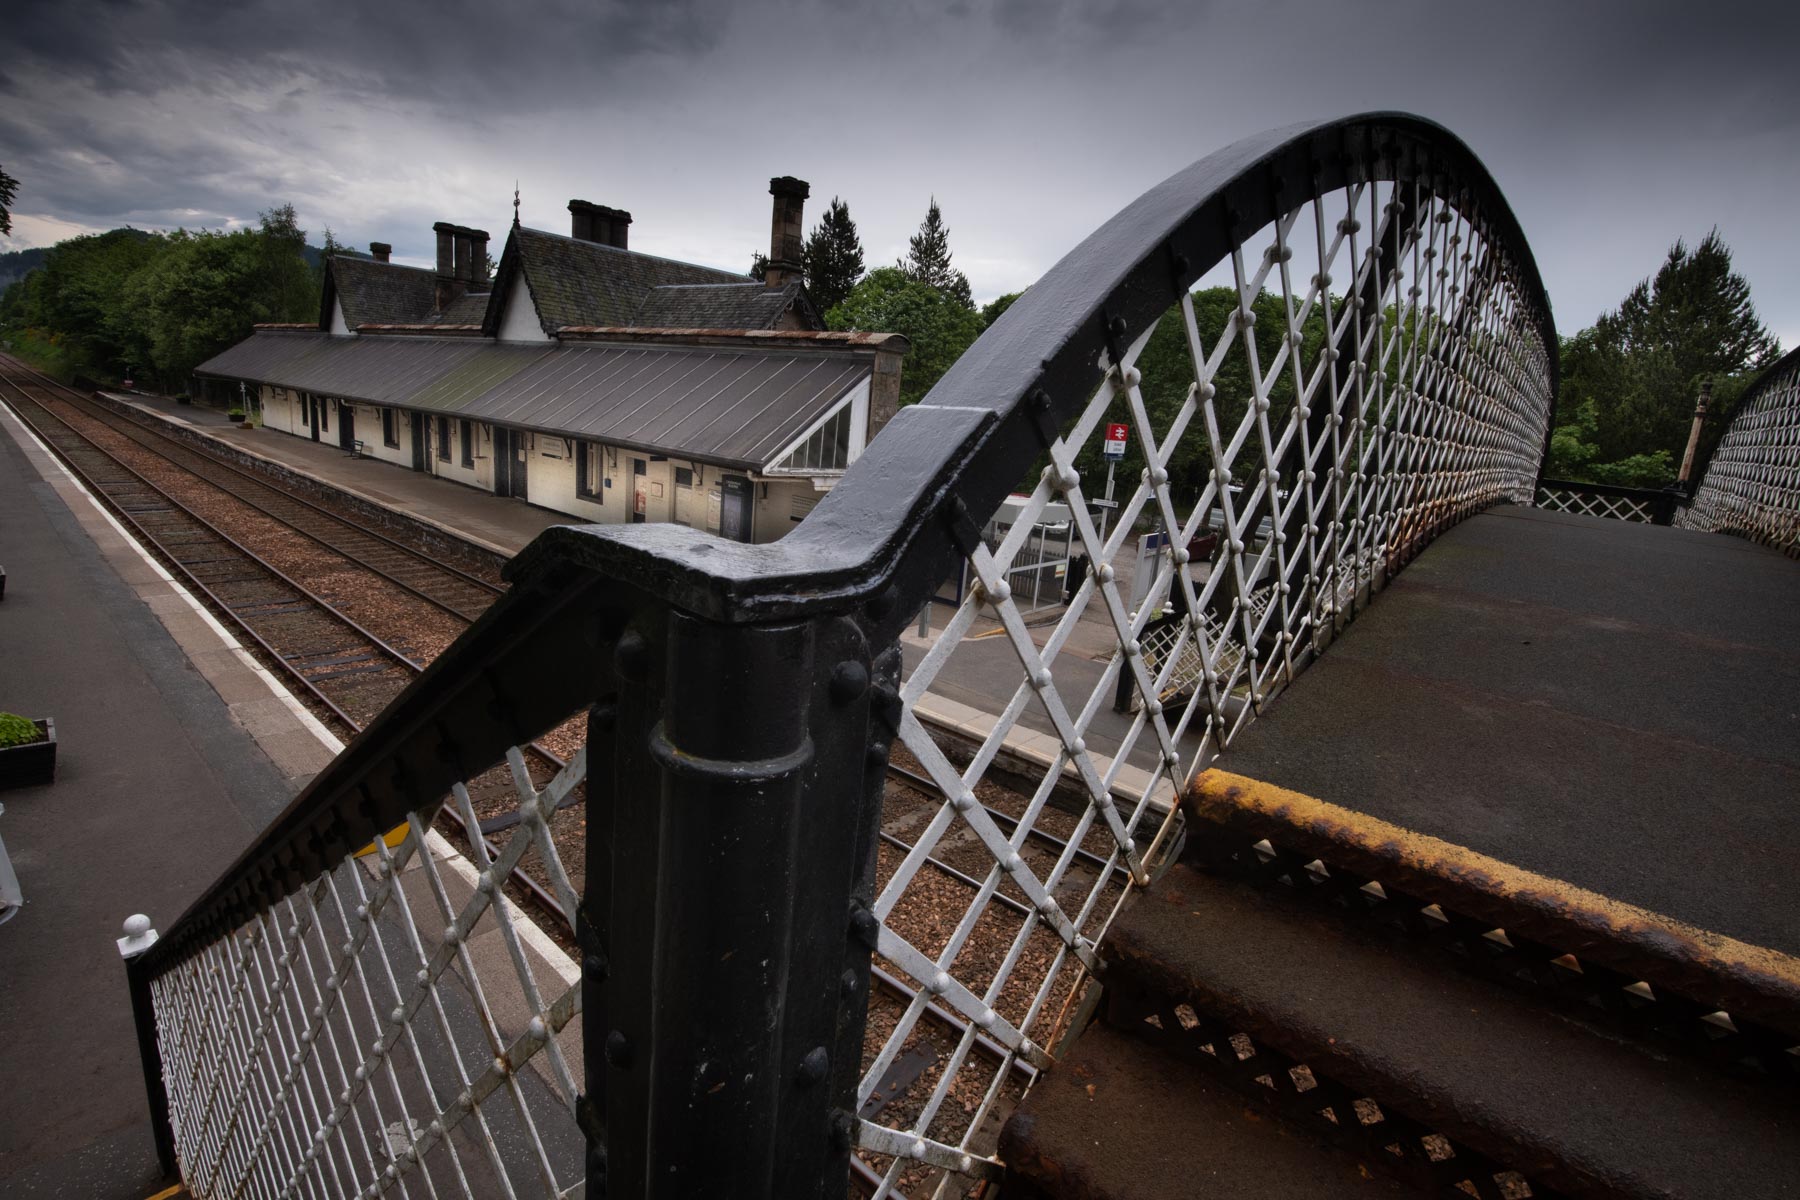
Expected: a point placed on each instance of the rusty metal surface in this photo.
(1117, 1119)
(1608, 704)
(1745, 979)
(1585, 1114)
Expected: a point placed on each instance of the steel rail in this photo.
(136, 427)
(532, 887)
(148, 427)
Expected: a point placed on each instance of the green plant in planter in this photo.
(236, 412)
(18, 731)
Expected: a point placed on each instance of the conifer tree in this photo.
(834, 257)
(928, 259)
(1641, 365)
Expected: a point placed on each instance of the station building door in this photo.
(652, 496)
(346, 427)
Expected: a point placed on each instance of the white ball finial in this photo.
(137, 925)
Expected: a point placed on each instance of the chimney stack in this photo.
(597, 223)
(457, 266)
(786, 252)
(379, 251)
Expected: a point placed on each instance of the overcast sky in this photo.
(1613, 128)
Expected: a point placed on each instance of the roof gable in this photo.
(575, 282)
(377, 293)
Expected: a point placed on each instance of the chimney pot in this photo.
(786, 251)
(380, 251)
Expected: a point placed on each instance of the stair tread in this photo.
(1577, 1109)
(1115, 1118)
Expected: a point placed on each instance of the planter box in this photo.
(28, 766)
(235, 418)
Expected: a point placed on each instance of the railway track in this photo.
(346, 669)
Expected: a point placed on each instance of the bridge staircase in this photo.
(1312, 1002)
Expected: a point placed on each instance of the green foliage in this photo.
(9, 191)
(1167, 373)
(834, 257)
(937, 326)
(157, 305)
(1574, 455)
(18, 731)
(927, 259)
(759, 267)
(1640, 366)
(991, 311)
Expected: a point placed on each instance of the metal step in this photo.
(1348, 1017)
(1685, 991)
(1116, 1120)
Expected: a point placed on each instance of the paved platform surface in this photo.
(160, 779)
(505, 524)
(1611, 704)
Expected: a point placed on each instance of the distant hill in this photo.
(17, 264)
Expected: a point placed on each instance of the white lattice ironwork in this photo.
(1595, 504)
(1406, 386)
(1752, 484)
(391, 1028)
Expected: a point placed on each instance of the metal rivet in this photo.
(814, 1067)
(618, 1050)
(632, 656)
(849, 680)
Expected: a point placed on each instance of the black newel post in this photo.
(730, 847)
(139, 937)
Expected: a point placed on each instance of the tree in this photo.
(992, 310)
(9, 188)
(759, 267)
(937, 326)
(1641, 365)
(927, 259)
(834, 257)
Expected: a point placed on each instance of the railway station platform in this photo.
(501, 523)
(172, 755)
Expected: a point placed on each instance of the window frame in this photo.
(390, 428)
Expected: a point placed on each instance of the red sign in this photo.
(1116, 437)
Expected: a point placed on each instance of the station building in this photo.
(584, 377)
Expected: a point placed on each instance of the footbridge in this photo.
(1443, 843)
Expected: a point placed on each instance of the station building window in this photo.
(443, 428)
(468, 443)
(390, 428)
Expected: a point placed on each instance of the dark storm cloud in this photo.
(1613, 128)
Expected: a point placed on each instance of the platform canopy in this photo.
(733, 406)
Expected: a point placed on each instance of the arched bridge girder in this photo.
(1752, 483)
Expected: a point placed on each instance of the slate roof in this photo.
(720, 306)
(464, 310)
(731, 405)
(585, 283)
(377, 293)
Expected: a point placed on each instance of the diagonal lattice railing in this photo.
(1645, 506)
(1329, 342)
(1752, 483)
